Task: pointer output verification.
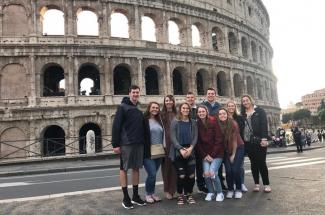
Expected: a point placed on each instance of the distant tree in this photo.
(299, 105)
(321, 115)
(301, 114)
(286, 117)
(321, 106)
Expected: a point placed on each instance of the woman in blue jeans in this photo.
(154, 135)
(210, 147)
(234, 155)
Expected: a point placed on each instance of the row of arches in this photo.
(52, 141)
(196, 34)
(53, 81)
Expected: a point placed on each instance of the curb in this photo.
(109, 166)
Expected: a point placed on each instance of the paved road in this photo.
(297, 181)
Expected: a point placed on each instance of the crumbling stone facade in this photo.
(234, 57)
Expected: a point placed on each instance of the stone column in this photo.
(71, 22)
(75, 77)
(135, 25)
(32, 98)
(164, 31)
(104, 27)
(141, 82)
(244, 91)
(169, 84)
(1, 18)
(35, 14)
(188, 42)
(70, 81)
(232, 89)
(192, 78)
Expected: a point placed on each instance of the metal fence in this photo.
(49, 147)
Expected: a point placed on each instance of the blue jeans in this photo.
(151, 166)
(213, 183)
(234, 170)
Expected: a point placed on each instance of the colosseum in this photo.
(194, 45)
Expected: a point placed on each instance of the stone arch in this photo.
(250, 85)
(179, 81)
(201, 80)
(12, 141)
(238, 85)
(222, 84)
(52, 79)
(198, 38)
(232, 41)
(49, 16)
(153, 80)
(176, 32)
(148, 28)
(13, 82)
(259, 89)
(254, 51)
(120, 23)
(244, 47)
(218, 39)
(15, 21)
(122, 79)
(90, 73)
(90, 126)
(53, 141)
(87, 17)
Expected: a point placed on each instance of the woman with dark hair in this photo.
(232, 109)
(255, 137)
(153, 149)
(168, 171)
(210, 147)
(184, 138)
(234, 153)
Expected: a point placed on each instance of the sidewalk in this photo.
(102, 162)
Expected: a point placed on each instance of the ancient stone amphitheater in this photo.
(44, 110)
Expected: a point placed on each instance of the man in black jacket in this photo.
(128, 141)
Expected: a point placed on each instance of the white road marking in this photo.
(297, 161)
(14, 184)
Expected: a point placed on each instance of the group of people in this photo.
(187, 141)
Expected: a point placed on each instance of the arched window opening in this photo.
(178, 82)
(173, 33)
(196, 39)
(52, 21)
(122, 80)
(87, 23)
(238, 85)
(148, 29)
(89, 80)
(199, 84)
(53, 81)
(217, 39)
(14, 20)
(232, 43)
(13, 82)
(254, 51)
(152, 83)
(119, 25)
(54, 141)
(250, 86)
(90, 139)
(259, 89)
(222, 84)
(244, 46)
(261, 54)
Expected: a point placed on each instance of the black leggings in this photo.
(257, 156)
(185, 168)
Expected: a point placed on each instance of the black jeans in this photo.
(299, 146)
(185, 168)
(257, 157)
(200, 182)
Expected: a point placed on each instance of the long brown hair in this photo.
(147, 112)
(226, 127)
(180, 115)
(242, 108)
(164, 109)
(206, 122)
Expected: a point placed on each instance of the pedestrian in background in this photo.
(184, 139)
(255, 137)
(211, 149)
(168, 171)
(128, 141)
(153, 149)
(297, 139)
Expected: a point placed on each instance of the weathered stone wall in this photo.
(25, 55)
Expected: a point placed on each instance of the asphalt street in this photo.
(297, 182)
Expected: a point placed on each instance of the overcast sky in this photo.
(297, 35)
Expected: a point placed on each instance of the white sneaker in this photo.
(238, 194)
(220, 197)
(230, 194)
(209, 197)
(244, 188)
